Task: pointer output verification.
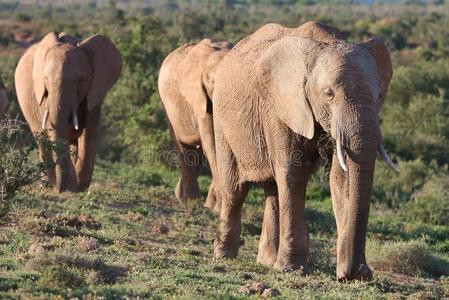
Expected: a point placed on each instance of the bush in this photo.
(395, 189)
(72, 270)
(17, 167)
(409, 258)
(415, 120)
(133, 117)
(431, 204)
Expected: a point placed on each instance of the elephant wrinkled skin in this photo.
(186, 83)
(278, 92)
(61, 82)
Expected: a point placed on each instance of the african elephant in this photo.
(61, 82)
(3, 98)
(280, 94)
(186, 84)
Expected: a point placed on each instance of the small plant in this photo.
(17, 168)
(407, 257)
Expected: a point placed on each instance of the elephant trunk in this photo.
(361, 148)
(58, 115)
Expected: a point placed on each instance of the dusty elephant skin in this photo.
(3, 98)
(61, 82)
(277, 92)
(186, 84)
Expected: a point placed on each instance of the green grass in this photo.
(103, 243)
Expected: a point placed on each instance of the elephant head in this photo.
(340, 87)
(69, 77)
(198, 73)
(3, 98)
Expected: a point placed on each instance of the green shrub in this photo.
(18, 168)
(431, 204)
(406, 257)
(135, 175)
(415, 119)
(395, 189)
(73, 270)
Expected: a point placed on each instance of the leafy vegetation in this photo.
(128, 237)
(16, 167)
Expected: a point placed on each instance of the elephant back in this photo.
(319, 32)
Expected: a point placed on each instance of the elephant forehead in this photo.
(352, 68)
(69, 61)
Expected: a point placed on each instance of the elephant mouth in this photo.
(341, 148)
(326, 145)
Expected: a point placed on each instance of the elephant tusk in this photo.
(44, 120)
(341, 154)
(387, 159)
(75, 120)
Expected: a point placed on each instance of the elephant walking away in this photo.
(277, 94)
(61, 82)
(186, 84)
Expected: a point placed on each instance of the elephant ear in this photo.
(191, 73)
(106, 67)
(49, 41)
(282, 75)
(384, 67)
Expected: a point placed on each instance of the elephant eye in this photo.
(328, 93)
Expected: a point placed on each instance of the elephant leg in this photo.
(213, 200)
(72, 184)
(64, 169)
(46, 157)
(338, 186)
(226, 244)
(269, 239)
(74, 151)
(87, 149)
(190, 158)
(206, 129)
(293, 234)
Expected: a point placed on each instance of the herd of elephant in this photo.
(259, 111)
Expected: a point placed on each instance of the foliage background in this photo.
(135, 142)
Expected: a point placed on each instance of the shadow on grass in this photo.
(320, 222)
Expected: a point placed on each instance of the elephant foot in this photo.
(364, 274)
(192, 194)
(290, 265)
(267, 255)
(225, 250)
(83, 187)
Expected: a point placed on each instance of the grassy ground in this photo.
(123, 241)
